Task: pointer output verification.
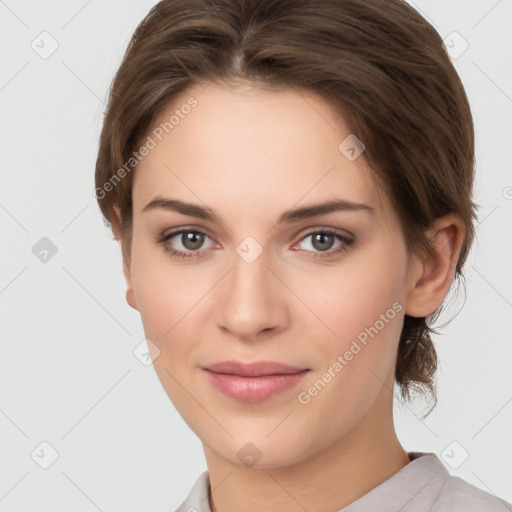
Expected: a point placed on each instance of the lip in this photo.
(253, 382)
(255, 369)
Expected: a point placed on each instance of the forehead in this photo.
(253, 148)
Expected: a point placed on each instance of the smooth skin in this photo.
(248, 154)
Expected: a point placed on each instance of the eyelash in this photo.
(163, 239)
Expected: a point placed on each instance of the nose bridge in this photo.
(249, 275)
(251, 301)
(248, 281)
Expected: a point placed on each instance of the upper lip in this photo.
(256, 369)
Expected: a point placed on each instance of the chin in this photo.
(259, 452)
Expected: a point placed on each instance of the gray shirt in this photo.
(422, 485)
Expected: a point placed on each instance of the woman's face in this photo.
(262, 278)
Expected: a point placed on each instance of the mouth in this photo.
(253, 382)
(256, 369)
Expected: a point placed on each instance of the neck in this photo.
(329, 480)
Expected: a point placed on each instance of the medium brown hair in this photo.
(378, 63)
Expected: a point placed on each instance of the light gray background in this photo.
(68, 375)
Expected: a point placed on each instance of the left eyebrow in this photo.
(306, 212)
(289, 216)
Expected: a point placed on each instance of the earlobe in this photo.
(436, 272)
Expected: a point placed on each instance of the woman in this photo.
(291, 184)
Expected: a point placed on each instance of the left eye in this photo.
(323, 241)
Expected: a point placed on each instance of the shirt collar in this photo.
(416, 486)
(419, 482)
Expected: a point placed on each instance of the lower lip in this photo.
(254, 389)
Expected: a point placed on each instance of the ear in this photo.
(130, 296)
(432, 276)
(115, 223)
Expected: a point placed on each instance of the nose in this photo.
(252, 300)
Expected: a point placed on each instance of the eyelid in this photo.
(324, 229)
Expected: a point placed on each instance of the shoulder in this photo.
(458, 495)
(197, 499)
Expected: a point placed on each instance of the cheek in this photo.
(174, 302)
(160, 290)
(362, 304)
(365, 311)
(167, 304)
(352, 297)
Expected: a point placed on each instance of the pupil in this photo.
(193, 240)
(319, 241)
